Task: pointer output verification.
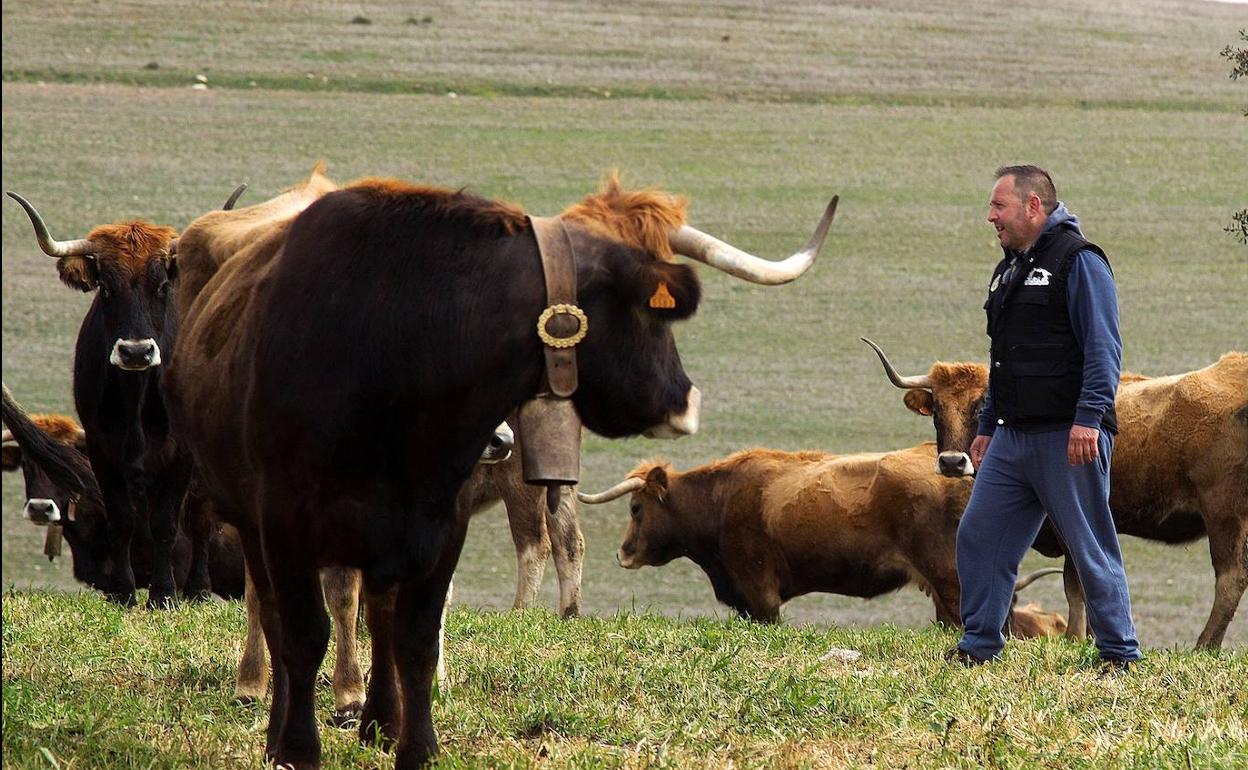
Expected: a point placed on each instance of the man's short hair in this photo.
(1029, 180)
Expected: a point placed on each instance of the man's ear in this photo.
(11, 457)
(919, 401)
(670, 290)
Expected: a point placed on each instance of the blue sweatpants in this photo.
(1024, 476)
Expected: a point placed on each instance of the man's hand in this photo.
(979, 448)
(1082, 446)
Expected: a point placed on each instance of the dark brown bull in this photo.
(766, 526)
(340, 369)
(126, 335)
(1180, 465)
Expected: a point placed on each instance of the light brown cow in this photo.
(766, 526)
(1180, 465)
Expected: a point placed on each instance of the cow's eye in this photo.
(635, 510)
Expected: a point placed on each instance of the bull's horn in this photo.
(619, 490)
(51, 246)
(1027, 580)
(922, 381)
(695, 244)
(234, 196)
(8, 436)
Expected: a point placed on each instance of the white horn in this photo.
(619, 490)
(922, 381)
(51, 246)
(8, 436)
(695, 244)
(1027, 580)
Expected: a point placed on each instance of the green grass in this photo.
(89, 685)
(902, 107)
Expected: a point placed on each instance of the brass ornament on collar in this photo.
(562, 309)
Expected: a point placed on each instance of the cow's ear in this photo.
(171, 267)
(919, 401)
(81, 273)
(670, 290)
(12, 457)
(656, 481)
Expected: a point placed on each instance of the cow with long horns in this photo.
(767, 526)
(125, 337)
(367, 346)
(1180, 464)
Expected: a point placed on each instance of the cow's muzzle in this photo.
(625, 560)
(41, 511)
(683, 424)
(955, 464)
(135, 355)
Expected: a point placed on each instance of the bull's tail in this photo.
(65, 465)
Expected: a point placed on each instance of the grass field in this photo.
(638, 691)
(757, 112)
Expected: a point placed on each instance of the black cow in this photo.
(126, 335)
(50, 452)
(338, 377)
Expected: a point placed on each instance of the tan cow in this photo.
(766, 526)
(1180, 465)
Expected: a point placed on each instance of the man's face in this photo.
(1013, 218)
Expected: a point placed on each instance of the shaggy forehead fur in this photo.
(129, 245)
(640, 218)
(971, 379)
(60, 427)
(455, 205)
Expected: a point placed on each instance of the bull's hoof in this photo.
(123, 598)
(571, 611)
(415, 756)
(383, 736)
(348, 717)
(197, 595)
(245, 700)
(157, 601)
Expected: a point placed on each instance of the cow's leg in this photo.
(1076, 608)
(441, 674)
(253, 669)
(120, 529)
(417, 612)
(1226, 518)
(304, 635)
(198, 521)
(164, 500)
(526, 518)
(341, 586)
(266, 604)
(382, 715)
(567, 544)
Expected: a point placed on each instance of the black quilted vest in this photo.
(1036, 371)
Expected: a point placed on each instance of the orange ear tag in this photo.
(662, 298)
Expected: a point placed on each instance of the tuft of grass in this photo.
(92, 685)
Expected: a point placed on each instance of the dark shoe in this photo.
(1111, 668)
(962, 658)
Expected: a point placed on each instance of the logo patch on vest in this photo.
(1037, 277)
(996, 281)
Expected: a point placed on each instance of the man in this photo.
(1046, 431)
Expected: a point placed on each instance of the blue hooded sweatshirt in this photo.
(1092, 301)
